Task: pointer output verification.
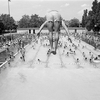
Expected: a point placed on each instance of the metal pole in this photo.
(8, 8)
(9, 14)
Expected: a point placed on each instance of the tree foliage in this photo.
(9, 22)
(1, 27)
(84, 18)
(31, 21)
(74, 22)
(91, 19)
(36, 21)
(24, 22)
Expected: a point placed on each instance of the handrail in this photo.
(3, 64)
(9, 59)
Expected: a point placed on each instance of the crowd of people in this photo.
(44, 40)
(54, 22)
(12, 46)
(90, 38)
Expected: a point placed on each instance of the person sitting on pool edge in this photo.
(54, 21)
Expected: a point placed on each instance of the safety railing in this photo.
(6, 63)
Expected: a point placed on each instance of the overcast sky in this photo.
(68, 8)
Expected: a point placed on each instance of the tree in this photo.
(24, 21)
(89, 21)
(94, 7)
(7, 21)
(97, 24)
(84, 18)
(74, 22)
(1, 27)
(94, 12)
(93, 17)
(36, 21)
(31, 21)
(41, 21)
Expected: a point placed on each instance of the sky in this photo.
(68, 9)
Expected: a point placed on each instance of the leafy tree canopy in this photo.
(31, 21)
(74, 22)
(91, 19)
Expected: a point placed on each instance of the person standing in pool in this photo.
(54, 21)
